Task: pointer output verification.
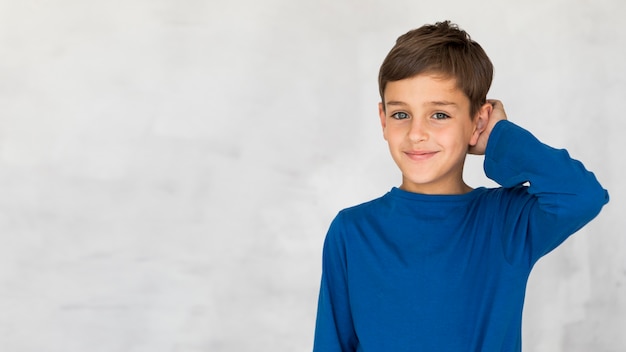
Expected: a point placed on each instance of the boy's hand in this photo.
(497, 114)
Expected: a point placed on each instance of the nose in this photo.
(418, 130)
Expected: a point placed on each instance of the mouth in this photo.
(420, 155)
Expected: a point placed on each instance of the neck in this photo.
(456, 189)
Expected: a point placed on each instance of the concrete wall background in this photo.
(168, 169)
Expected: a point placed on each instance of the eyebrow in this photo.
(442, 103)
(396, 103)
(435, 103)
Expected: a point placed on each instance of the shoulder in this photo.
(359, 213)
(504, 200)
(361, 210)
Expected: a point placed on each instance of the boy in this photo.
(435, 265)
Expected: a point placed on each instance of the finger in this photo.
(494, 102)
(498, 110)
(497, 104)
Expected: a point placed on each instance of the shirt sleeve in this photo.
(561, 196)
(334, 329)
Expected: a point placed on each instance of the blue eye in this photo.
(440, 116)
(400, 115)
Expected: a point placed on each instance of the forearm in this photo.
(562, 185)
(562, 195)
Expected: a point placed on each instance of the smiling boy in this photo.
(426, 121)
(435, 265)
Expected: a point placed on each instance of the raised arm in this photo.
(562, 195)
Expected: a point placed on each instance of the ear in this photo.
(383, 117)
(480, 122)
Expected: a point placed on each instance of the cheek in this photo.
(459, 140)
(392, 134)
(466, 133)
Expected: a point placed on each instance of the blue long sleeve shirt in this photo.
(414, 272)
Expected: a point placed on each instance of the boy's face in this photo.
(428, 127)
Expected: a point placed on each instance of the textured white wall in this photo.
(168, 169)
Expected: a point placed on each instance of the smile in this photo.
(420, 155)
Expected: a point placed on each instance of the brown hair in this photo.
(443, 49)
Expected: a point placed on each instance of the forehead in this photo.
(425, 89)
